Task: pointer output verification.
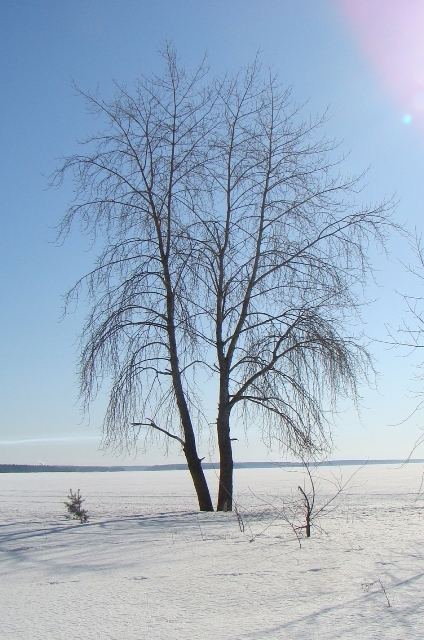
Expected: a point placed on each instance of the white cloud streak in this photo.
(51, 440)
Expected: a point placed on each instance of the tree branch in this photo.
(153, 425)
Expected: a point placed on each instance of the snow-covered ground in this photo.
(148, 566)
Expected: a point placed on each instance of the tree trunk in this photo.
(190, 448)
(308, 526)
(195, 467)
(225, 491)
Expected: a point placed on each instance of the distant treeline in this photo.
(44, 468)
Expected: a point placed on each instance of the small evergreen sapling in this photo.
(74, 507)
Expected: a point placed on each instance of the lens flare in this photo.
(391, 35)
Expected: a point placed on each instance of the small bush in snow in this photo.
(74, 507)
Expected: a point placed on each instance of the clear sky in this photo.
(364, 59)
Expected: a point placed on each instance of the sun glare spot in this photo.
(390, 33)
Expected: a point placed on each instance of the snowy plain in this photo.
(148, 566)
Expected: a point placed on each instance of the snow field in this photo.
(149, 566)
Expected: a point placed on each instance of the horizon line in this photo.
(16, 467)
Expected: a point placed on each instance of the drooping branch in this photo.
(153, 425)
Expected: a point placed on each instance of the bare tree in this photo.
(136, 186)
(410, 335)
(303, 512)
(282, 256)
(233, 246)
(307, 504)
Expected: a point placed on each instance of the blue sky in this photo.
(45, 45)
